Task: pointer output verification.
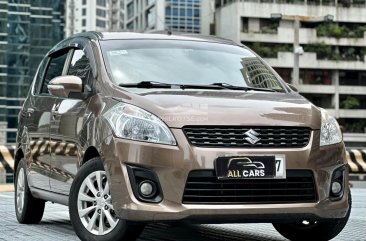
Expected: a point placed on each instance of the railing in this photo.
(338, 3)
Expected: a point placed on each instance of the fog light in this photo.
(336, 188)
(147, 189)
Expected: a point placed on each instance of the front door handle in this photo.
(55, 107)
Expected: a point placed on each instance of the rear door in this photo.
(38, 118)
(66, 126)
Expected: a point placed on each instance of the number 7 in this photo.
(278, 165)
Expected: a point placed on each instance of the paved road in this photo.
(56, 225)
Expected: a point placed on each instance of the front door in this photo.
(39, 119)
(67, 122)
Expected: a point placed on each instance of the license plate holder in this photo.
(251, 167)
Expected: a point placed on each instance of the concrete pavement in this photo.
(56, 225)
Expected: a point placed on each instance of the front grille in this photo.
(234, 136)
(203, 187)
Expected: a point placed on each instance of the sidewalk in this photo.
(6, 187)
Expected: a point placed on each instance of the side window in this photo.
(80, 66)
(55, 67)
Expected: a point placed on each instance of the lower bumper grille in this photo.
(203, 187)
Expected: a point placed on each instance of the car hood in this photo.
(178, 108)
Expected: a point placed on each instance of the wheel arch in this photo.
(19, 154)
(91, 152)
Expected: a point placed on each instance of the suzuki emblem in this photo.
(252, 136)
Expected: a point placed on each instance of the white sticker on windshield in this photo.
(118, 52)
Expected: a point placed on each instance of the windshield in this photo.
(179, 62)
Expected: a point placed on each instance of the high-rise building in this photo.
(133, 15)
(93, 15)
(174, 15)
(332, 61)
(28, 30)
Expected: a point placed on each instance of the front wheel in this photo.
(314, 230)
(91, 211)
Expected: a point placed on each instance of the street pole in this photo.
(296, 70)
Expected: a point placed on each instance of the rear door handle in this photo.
(30, 111)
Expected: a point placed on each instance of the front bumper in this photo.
(172, 165)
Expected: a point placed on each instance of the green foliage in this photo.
(356, 126)
(362, 54)
(328, 52)
(271, 28)
(322, 51)
(350, 102)
(336, 31)
(349, 54)
(267, 51)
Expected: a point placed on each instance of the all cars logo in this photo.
(245, 167)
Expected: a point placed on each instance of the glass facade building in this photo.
(28, 30)
(175, 15)
(183, 15)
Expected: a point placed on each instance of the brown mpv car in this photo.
(128, 129)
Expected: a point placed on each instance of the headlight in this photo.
(134, 123)
(330, 132)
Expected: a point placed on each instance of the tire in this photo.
(320, 230)
(29, 210)
(90, 202)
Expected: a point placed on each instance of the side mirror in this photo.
(293, 87)
(62, 86)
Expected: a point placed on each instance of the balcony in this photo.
(307, 36)
(310, 61)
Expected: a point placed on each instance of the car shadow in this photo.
(186, 232)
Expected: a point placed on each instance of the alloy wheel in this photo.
(20, 190)
(94, 204)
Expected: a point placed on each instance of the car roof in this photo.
(158, 35)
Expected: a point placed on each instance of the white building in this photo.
(96, 15)
(133, 15)
(333, 67)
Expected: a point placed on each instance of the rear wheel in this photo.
(27, 208)
(313, 230)
(91, 211)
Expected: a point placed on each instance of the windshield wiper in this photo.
(154, 84)
(246, 88)
(146, 84)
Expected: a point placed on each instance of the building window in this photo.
(101, 3)
(100, 23)
(196, 12)
(130, 26)
(151, 17)
(315, 77)
(84, 2)
(101, 13)
(83, 11)
(83, 22)
(130, 10)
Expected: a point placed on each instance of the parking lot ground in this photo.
(56, 225)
